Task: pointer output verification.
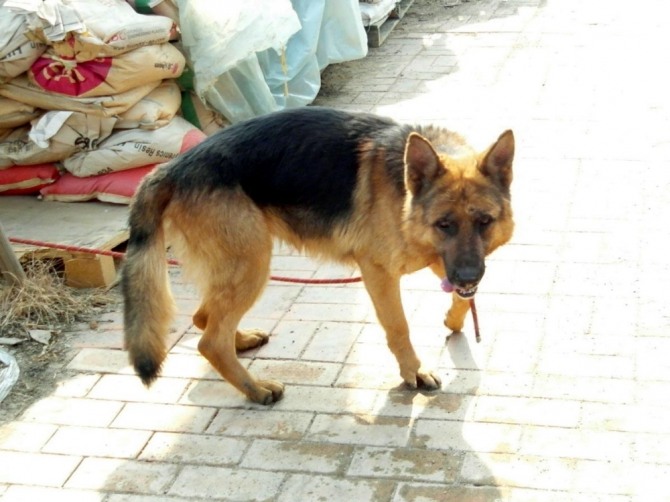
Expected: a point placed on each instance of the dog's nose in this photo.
(467, 275)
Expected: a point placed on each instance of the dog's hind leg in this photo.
(245, 339)
(219, 348)
(384, 290)
(229, 256)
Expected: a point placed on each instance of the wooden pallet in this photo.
(379, 32)
(88, 224)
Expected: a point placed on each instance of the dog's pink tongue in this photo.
(447, 287)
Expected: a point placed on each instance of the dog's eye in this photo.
(447, 226)
(484, 221)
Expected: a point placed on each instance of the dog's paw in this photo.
(453, 323)
(267, 392)
(250, 339)
(423, 379)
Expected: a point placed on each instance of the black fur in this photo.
(302, 179)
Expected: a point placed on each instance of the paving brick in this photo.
(606, 477)
(97, 441)
(274, 455)
(623, 365)
(130, 388)
(512, 470)
(522, 410)
(188, 366)
(76, 386)
(616, 417)
(123, 476)
(327, 312)
(651, 363)
(533, 495)
(63, 411)
(651, 448)
(101, 361)
(267, 423)
(310, 487)
(406, 463)
(36, 469)
(289, 339)
(649, 393)
(18, 493)
(332, 341)
(300, 372)
(463, 353)
(227, 484)
(368, 377)
(126, 497)
(327, 399)
(215, 393)
(577, 443)
(193, 449)
(25, 436)
(418, 492)
(360, 430)
(467, 436)
(606, 390)
(164, 417)
(435, 404)
(504, 384)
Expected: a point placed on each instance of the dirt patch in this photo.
(42, 365)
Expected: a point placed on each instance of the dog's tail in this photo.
(148, 304)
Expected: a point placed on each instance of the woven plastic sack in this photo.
(21, 89)
(54, 137)
(106, 76)
(83, 30)
(24, 180)
(17, 50)
(14, 113)
(126, 149)
(154, 110)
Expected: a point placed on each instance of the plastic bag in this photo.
(221, 40)
(218, 35)
(9, 373)
(331, 33)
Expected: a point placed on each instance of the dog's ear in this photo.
(497, 161)
(422, 165)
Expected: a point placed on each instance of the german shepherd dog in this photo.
(350, 187)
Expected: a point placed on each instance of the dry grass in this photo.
(44, 301)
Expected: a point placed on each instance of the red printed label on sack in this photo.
(68, 76)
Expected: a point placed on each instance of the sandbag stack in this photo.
(90, 89)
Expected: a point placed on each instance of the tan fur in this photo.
(225, 243)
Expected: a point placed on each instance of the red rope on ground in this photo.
(295, 280)
(116, 254)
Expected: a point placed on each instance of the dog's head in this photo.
(460, 205)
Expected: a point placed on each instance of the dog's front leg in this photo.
(455, 317)
(384, 289)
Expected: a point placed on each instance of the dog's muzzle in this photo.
(466, 280)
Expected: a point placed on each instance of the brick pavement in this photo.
(565, 399)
